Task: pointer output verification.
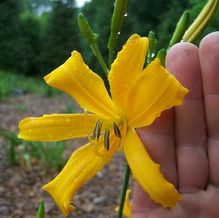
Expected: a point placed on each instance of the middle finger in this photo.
(190, 129)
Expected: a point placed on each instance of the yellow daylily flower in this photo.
(138, 97)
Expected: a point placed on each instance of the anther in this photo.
(97, 130)
(106, 139)
(116, 130)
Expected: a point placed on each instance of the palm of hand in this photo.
(186, 141)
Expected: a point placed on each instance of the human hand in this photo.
(185, 140)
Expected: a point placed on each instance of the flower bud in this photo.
(86, 30)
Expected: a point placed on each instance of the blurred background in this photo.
(36, 36)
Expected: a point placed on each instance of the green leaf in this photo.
(41, 210)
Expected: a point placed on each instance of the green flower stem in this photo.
(201, 21)
(100, 59)
(124, 190)
(116, 24)
(115, 28)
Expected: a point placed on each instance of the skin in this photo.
(185, 140)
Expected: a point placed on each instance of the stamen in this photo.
(97, 130)
(106, 139)
(116, 130)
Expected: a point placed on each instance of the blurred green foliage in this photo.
(37, 36)
(15, 84)
(20, 152)
(12, 49)
(60, 35)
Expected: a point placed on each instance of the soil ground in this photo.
(20, 189)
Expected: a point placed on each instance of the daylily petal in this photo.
(83, 164)
(127, 205)
(87, 88)
(56, 127)
(126, 67)
(153, 92)
(147, 172)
